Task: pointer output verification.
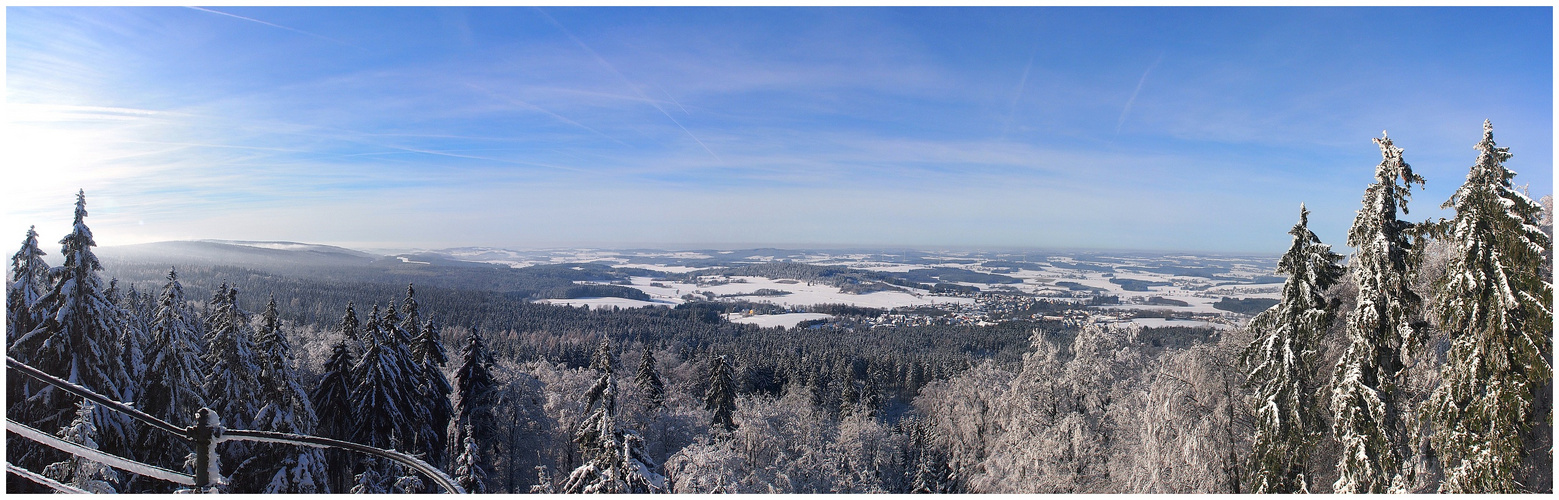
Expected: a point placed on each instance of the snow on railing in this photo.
(43, 480)
(319, 442)
(114, 461)
(203, 437)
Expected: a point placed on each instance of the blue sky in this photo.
(1197, 129)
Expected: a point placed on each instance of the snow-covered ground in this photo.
(786, 320)
(599, 302)
(662, 268)
(1162, 322)
(1199, 292)
(801, 293)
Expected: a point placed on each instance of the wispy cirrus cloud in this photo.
(627, 82)
(843, 125)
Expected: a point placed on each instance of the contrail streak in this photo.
(630, 84)
(673, 100)
(561, 118)
(1012, 108)
(499, 160)
(252, 20)
(1127, 109)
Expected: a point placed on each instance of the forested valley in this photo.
(1420, 363)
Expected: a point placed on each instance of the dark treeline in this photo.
(516, 329)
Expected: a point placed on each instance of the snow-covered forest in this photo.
(1421, 362)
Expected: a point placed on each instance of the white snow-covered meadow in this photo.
(786, 320)
(1198, 281)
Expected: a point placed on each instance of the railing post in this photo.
(208, 427)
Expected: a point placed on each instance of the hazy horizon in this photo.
(1194, 130)
(694, 247)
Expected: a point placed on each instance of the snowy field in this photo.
(1199, 281)
(1162, 322)
(801, 293)
(662, 268)
(599, 302)
(786, 320)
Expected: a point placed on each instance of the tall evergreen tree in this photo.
(648, 380)
(133, 339)
(390, 325)
(76, 341)
(332, 400)
(474, 393)
(1366, 399)
(416, 431)
(350, 327)
(29, 281)
(284, 407)
(721, 397)
(381, 399)
(429, 356)
(413, 320)
(173, 376)
(1499, 311)
(1281, 359)
(232, 384)
(615, 460)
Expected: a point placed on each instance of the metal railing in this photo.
(203, 437)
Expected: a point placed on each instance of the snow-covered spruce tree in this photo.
(232, 382)
(86, 475)
(1499, 312)
(284, 407)
(380, 398)
(333, 403)
(615, 461)
(351, 328)
(468, 467)
(720, 400)
(209, 316)
(384, 393)
(390, 324)
(427, 351)
(173, 376)
(29, 281)
(232, 385)
(412, 323)
(473, 393)
(1365, 400)
(648, 380)
(133, 339)
(1281, 360)
(417, 432)
(332, 400)
(77, 340)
